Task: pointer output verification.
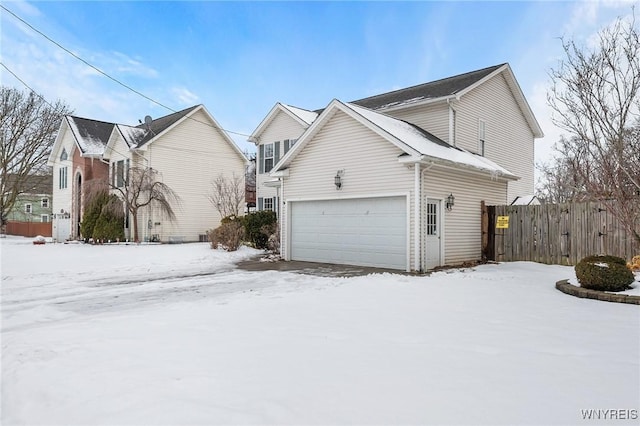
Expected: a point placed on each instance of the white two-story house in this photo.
(396, 180)
(188, 150)
(276, 134)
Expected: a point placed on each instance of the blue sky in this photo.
(239, 58)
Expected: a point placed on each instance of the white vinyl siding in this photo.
(509, 140)
(189, 156)
(61, 197)
(370, 165)
(462, 233)
(433, 118)
(281, 128)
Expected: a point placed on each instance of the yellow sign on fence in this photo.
(502, 222)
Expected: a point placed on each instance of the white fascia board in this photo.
(433, 161)
(280, 173)
(56, 144)
(517, 92)
(278, 107)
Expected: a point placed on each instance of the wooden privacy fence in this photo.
(29, 229)
(559, 234)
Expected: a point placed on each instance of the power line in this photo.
(26, 85)
(107, 75)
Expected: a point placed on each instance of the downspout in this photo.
(452, 123)
(281, 215)
(417, 222)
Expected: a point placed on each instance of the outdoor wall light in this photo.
(337, 180)
(450, 201)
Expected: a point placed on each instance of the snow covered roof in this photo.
(426, 144)
(92, 135)
(419, 144)
(305, 115)
(132, 135)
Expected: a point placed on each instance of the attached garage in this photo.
(355, 231)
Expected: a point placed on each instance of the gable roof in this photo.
(91, 135)
(162, 124)
(302, 116)
(453, 88)
(442, 88)
(417, 143)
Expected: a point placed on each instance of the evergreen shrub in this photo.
(604, 273)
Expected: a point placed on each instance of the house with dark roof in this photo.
(188, 149)
(396, 180)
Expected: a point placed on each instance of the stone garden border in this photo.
(586, 293)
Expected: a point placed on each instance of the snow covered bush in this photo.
(229, 235)
(604, 273)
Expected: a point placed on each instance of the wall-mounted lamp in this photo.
(337, 180)
(449, 202)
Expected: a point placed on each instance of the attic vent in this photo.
(64, 156)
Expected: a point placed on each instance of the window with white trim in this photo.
(28, 208)
(268, 157)
(44, 218)
(268, 204)
(44, 203)
(481, 136)
(432, 219)
(120, 174)
(62, 178)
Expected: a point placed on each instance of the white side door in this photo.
(433, 234)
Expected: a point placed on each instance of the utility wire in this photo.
(107, 75)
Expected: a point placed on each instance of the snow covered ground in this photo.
(176, 334)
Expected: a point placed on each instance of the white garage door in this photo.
(363, 231)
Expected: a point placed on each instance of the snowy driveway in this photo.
(175, 334)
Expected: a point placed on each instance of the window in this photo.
(268, 157)
(268, 204)
(64, 156)
(28, 208)
(113, 174)
(62, 178)
(481, 136)
(44, 218)
(120, 174)
(432, 219)
(44, 203)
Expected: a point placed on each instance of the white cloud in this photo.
(184, 96)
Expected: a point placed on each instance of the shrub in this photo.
(604, 273)
(228, 236)
(100, 220)
(109, 228)
(254, 225)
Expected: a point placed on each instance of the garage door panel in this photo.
(368, 231)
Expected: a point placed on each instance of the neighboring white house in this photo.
(188, 149)
(275, 135)
(396, 180)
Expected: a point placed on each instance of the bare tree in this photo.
(227, 195)
(28, 127)
(596, 98)
(141, 188)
